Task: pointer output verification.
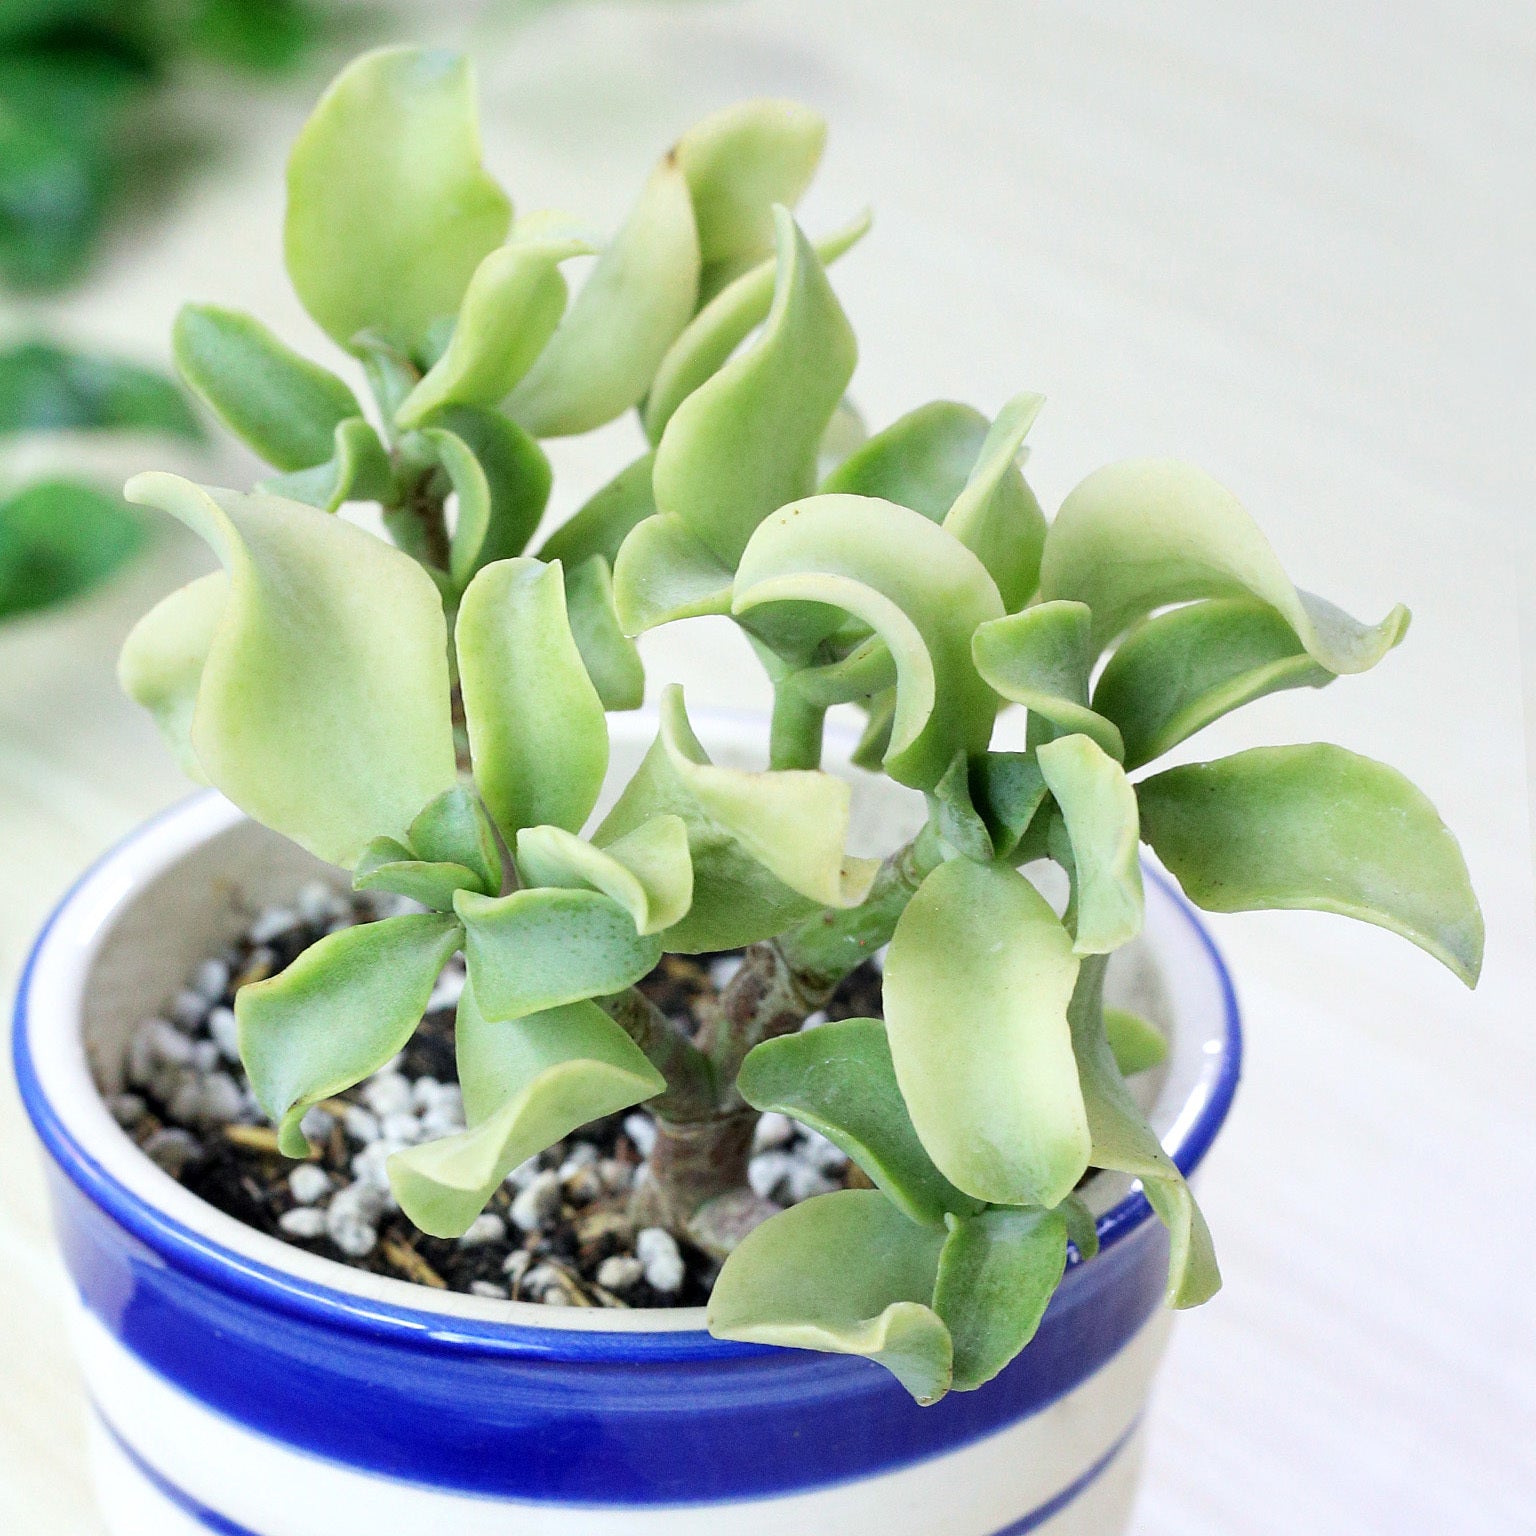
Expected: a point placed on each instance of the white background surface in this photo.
(1291, 242)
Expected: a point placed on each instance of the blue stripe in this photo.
(224, 1526)
(193, 1508)
(1073, 1491)
(555, 1415)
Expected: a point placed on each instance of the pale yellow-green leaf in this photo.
(846, 1273)
(977, 982)
(1098, 805)
(632, 307)
(537, 733)
(746, 440)
(389, 208)
(1145, 533)
(663, 573)
(527, 1083)
(648, 871)
(322, 706)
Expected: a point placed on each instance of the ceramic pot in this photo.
(241, 1385)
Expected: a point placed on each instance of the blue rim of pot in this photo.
(209, 1261)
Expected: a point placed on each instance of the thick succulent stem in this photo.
(692, 1164)
(690, 1096)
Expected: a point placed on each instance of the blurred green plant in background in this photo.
(61, 536)
(85, 108)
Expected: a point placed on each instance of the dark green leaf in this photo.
(996, 1275)
(600, 525)
(58, 539)
(45, 388)
(838, 1079)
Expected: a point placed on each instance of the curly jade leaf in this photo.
(339, 1012)
(1144, 533)
(648, 871)
(845, 1273)
(316, 697)
(838, 1079)
(390, 211)
(1319, 828)
(922, 460)
(528, 1083)
(977, 982)
(538, 737)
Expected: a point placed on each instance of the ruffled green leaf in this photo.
(663, 573)
(1123, 1141)
(322, 700)
(976, 987)
(600, 525)
(1319, 828)
(1007, 789)
(539, 949)
(922, 460)
(339, 1012)
(1042, 658)
(767, 848)
(357, 470)
(738, 163)
(921, 590)
(846, 1273)
(510, 310)
(161, 665)
(1082, 1224)
(1099, 808)
(633, 306)
(282, 405)
(996, 514)
(838, 1079)
(387, 865)
(1176, 672)
(527, 1083)
(1136, 1044)
(746, 440)
(648, 871)
(537, 734)
(953, 812)
(1142, 534)
(723, 324)
(997, 1273)
(502, 479)
(389, 209)
(454, 827)
(609, 655)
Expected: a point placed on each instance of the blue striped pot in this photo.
(240, 1385)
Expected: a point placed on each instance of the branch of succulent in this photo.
(321, 677)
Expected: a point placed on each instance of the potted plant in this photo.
(942, 1197)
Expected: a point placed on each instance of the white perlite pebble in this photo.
(172, 1149)
(316, 1123)
(773, 1130)
(524, 1174)
(487, 1227)
(317, 901)
(447, 991)
(387, 1093)
(155, 1044)
(404, 1127)
(368, 1166)
(349, 1220)
(205, 1055)
(641, 1130)
(488, 1288)
(424, 1092)
(767, 1171)
(186, 1103)
(538, 1202)
(127, 1108)
(723, 972)
(816, 1020)
(222, 1099)
(188, 1010)
(309, 1183)
(210, 979)
(515, 1265)
(805, 1181)
(359, 1124)
(225, 1032)
(659, 1259)
(620, 1272)
(303, 1221)
(271, 924)
(582, 1154)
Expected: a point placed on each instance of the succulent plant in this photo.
(431, 713)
